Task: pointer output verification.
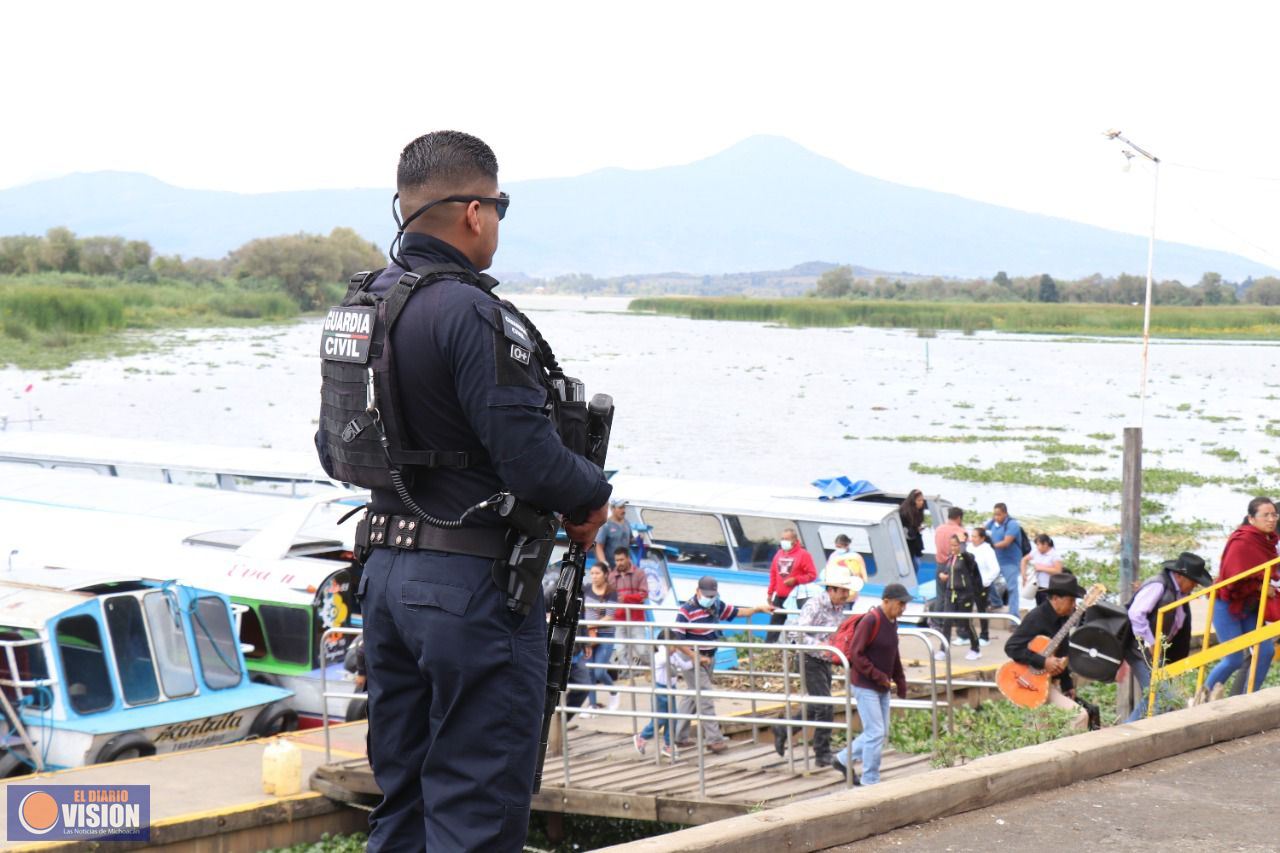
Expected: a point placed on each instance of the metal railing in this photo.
(17, 685)
(789, 651)
(1161, 671)
(325, 695)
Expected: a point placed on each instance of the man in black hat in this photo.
(1176, 580)
(1045, 620)
(705, 607)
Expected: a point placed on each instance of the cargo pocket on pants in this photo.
(451, 599)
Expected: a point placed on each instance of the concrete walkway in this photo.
(1222, 797)
(211, 792)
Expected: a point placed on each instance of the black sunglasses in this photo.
(502, 202)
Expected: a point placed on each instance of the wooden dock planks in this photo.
(607, 778)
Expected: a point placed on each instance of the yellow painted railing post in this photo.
(1157, 663)
(1160, 671)
(1262, 612)
(1204, 641)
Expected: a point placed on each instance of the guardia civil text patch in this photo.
(346, 334)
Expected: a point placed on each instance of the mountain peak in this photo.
(767, 149)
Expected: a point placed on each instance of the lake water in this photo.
(752, 403)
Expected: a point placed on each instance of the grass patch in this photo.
(51, 320)
(1226, 454)
(992, 727)
(1245, 322)
(354, 843)
(1054, 472)
(1046, 444)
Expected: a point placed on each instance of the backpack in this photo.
(843, 638)
(1025, 542)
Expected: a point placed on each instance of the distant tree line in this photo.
(306, 267)
(1124, 289)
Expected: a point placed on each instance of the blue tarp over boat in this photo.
(839, 488)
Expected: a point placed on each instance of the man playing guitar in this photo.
(1045, 620)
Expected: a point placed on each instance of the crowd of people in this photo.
(990, 566)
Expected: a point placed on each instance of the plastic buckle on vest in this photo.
(359, 424)
(409, 280)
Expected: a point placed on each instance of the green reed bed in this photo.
(1054, 472)
(50, 320)
(1249, 322)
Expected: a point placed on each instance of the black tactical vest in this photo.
(362, 438)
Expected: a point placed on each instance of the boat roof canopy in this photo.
(796, 503)
(69, 450)
(24, 605)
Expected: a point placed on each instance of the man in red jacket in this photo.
(792, 567)
(632, 586)
(1235, 613)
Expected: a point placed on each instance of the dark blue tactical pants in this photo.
(456, 687)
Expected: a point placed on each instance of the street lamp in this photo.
(1151, 252)
(1131, 476)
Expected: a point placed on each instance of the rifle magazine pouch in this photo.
(571, 418)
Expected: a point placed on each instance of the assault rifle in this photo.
(566, 602)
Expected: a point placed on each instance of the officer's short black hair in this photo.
(445, 159)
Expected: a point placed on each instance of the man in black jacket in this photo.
(1045, 620)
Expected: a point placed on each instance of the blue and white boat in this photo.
(128, 670)
(731, 532)
(285, 564)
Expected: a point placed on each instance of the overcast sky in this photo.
(1003, 102)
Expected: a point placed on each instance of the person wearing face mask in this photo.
(792, 570)
(845, 559)
(703, 608)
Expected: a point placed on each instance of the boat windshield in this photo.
(288, 632)
(132, 649)
(84, 664)
(173, 659)
(697, 536)
(216, 645)
(757, 539)
(27, 664)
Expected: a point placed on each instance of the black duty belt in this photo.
(410, 533)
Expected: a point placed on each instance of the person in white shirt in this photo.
(666, 662)
(1043, 559)
(988, 570)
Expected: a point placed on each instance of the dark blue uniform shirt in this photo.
(466, 384)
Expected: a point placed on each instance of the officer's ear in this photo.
(474, 224)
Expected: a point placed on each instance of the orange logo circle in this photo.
(38, 812)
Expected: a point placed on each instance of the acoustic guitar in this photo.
(1027, 686)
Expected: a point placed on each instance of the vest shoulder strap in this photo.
(422, 276)
(359, 283)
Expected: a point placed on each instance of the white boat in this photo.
(252, 469)
(122, 670)
(286, 564)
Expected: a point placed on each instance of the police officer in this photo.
(456, 676)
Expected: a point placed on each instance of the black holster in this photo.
(520, 577)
